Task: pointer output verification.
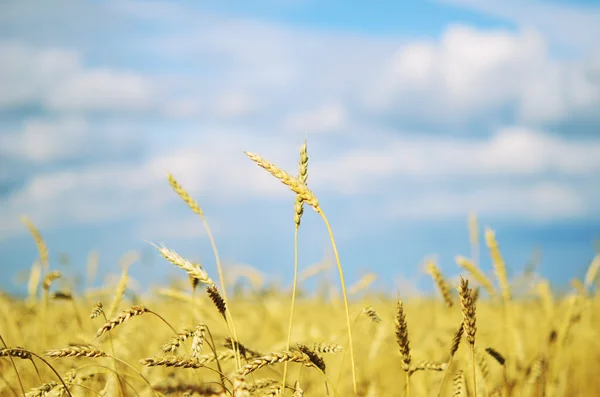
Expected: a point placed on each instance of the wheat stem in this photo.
(14, 365)
(341, 272)
(289, 338)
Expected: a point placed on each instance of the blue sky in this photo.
(416, 113)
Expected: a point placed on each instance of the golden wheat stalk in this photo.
(119, 293)
(77, 351)
(309, 198)
(298, 212)
(196, 209)
(326, 347)
(171, 361)
(436, 274)
(35, 277)
(174, 343)
(294, 184)
(498, 263)
(294, 356)
(403, 342)
(473, 227)
(39, 242)
(459, 385)
(453, 349)
(125, 315)
(428, 366)
(42, 390)
(592, 272)
(469, 321)
(362, 284)
(477, 274)
(370, 312)
(194, 270)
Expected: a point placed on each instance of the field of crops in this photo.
(195, 337)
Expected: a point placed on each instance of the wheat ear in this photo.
(498, 263)
(592, 272)
(459, 387)
(125, 315)
(39, 242)
(473, 226)
(309, 198)
(77, 351)
(403, 342)
(469, 321)
(439, 280)
(295, 356)
(33, 284)
(477, 274)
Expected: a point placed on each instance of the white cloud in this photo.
(56, 78)
(183, 108)
(43, 141)
(470, 73)
(217, 170)
(26, 73)
(572, 26)
(81, 196)
(102, 90)
(262, 87)
(248, 67)
(330, 117)
(233, 104)
(511, 152)
(165, 227)
(538, 201)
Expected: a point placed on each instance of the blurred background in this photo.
(416, 114)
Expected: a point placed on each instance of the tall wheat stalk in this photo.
(298, 212)
(309, 198)
(473, 226)
(403, 343)
(469, 322)
(193, 204)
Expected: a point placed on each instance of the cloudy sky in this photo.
(415, 113)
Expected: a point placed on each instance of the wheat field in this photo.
(200, 337)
